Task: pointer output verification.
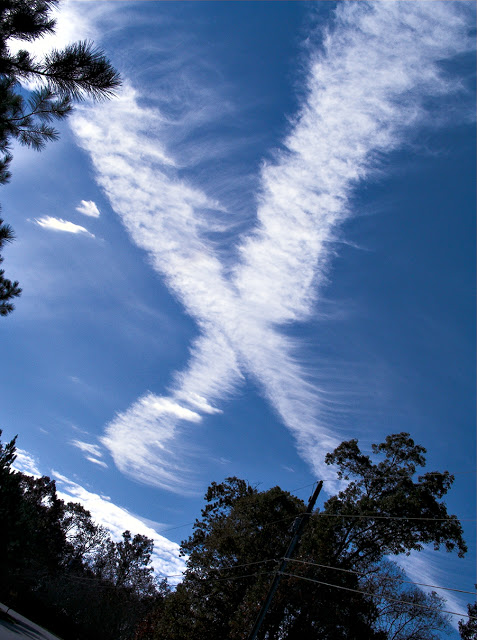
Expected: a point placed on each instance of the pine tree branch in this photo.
(80, 70)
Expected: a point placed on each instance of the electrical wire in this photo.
(390, 475)
(267, 524)
(324, 566)
(327, 584)
(363, 573)
(236, 566)
(322, 514)
(347, 515)
(378, 517)
(239, 566)
(179, 526)
(249, 575)
(368, 515)
(100, 583)
(404, 475)
(374, 595)
(311, 484)
(103, 584)
(246, 564)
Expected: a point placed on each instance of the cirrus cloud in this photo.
(366, 94)
(58, 224)
(88, 208)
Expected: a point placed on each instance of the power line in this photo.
(374, 595)
(371, 516)
(267, 524)
(404, 474)
(324, 566)
(363, 573)
(239, 566)
(179, 526)
(322, 514)
(246, 564)
(390, 475)
(236, 566)
(101, 583)
(249, 575)
(311, 484)
(378, 517)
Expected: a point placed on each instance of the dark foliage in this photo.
(65, 572)
(468, 629)
(8, 289)
(243, 533)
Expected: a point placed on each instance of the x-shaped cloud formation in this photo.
(366, 89)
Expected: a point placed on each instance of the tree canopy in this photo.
(63, 570)
(468, 629)
(67, 573)
(8, 289)
(340, 583)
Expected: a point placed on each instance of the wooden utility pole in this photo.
(300, 524)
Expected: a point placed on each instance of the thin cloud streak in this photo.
(422, 566)
(88, 208)
(87, 447)
(26, 463)
(58, 224)
(100, 463)
(366, 92)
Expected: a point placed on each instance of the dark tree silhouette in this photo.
(64, 571)
(8, 289)
(243, 533)
(468, 629)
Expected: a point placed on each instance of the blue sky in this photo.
(263, 246)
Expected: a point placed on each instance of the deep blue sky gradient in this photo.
(392, 337)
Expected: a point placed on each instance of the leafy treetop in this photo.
(242, 534)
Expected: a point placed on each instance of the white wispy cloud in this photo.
(88, 208)
(58, 224)
(87, 447)
(100, 463)
(92, 452)
(116, 519)
(424, 567)
(366, 92)
(26, 463)
(155, 419)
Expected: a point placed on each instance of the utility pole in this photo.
(300, 523)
